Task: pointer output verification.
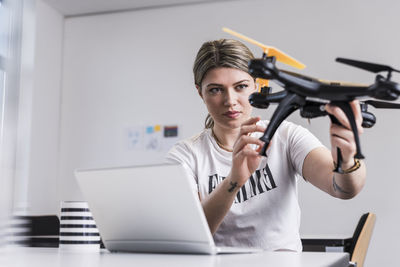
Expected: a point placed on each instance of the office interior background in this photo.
(79, 73)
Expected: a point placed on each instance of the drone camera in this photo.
(257, 100)
(266, 90)
(369, 119)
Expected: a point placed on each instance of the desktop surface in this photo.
(53, 257)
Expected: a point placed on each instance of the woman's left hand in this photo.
(341, 135)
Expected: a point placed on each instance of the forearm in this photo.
(348, 185)
(318, 169)
(218, 203)
(245, 161)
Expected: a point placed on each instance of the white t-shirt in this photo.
(265, 212)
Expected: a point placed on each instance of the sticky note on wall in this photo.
(170, 131)
(152, 137)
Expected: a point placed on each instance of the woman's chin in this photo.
(232, 124)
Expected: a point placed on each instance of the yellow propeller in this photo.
(269, 50)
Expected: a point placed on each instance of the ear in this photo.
(199, 91)
(256, 85)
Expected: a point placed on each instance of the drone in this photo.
(310, 95)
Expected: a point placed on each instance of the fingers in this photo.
(339, 115)
(355, 106)
(247, 152)
(244, 137)
(246, 159)
(248, 129)
(337, 130)
(250, 126)
(244, 140)
(252, 120)
(342, 118)
(344, 139)
(348, 149)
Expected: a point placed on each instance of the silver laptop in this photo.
(149, 209)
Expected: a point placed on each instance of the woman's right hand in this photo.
(245, 159)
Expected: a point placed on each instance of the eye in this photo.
(242, 86)
(214, 90)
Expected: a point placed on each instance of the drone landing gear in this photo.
(290, 103)
(345, 106)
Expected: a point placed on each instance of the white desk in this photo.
(52, 257)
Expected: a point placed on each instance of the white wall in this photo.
(46, 109)
(23, 103)
(39, 124)
(131, 68)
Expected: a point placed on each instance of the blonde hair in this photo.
(220, 53)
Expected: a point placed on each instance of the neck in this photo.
(225, 138)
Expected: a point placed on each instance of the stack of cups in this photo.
(78, 229)
(19, 231)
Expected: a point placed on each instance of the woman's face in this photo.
(225, 91)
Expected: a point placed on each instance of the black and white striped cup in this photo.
(77, 227)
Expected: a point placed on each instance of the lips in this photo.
(232, 114)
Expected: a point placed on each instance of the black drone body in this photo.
(310, 95)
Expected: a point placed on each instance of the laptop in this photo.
(151, 208)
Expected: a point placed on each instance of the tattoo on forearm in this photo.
(336, 187)
(233, 186)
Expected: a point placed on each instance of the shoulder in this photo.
(284, 125)
(196, 141)
(285, 129)
(291, 134)
(190, 146)
(288, 129)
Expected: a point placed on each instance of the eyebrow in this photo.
(217, 84)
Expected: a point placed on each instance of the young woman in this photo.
(250, 200)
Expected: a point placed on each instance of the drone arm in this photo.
(288, 105)
(265, 68)
(384, 89)
(262, 100)
(313, 110)
(307, 84)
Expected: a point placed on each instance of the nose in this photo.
(231, 97)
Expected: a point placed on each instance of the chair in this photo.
(356, 246)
